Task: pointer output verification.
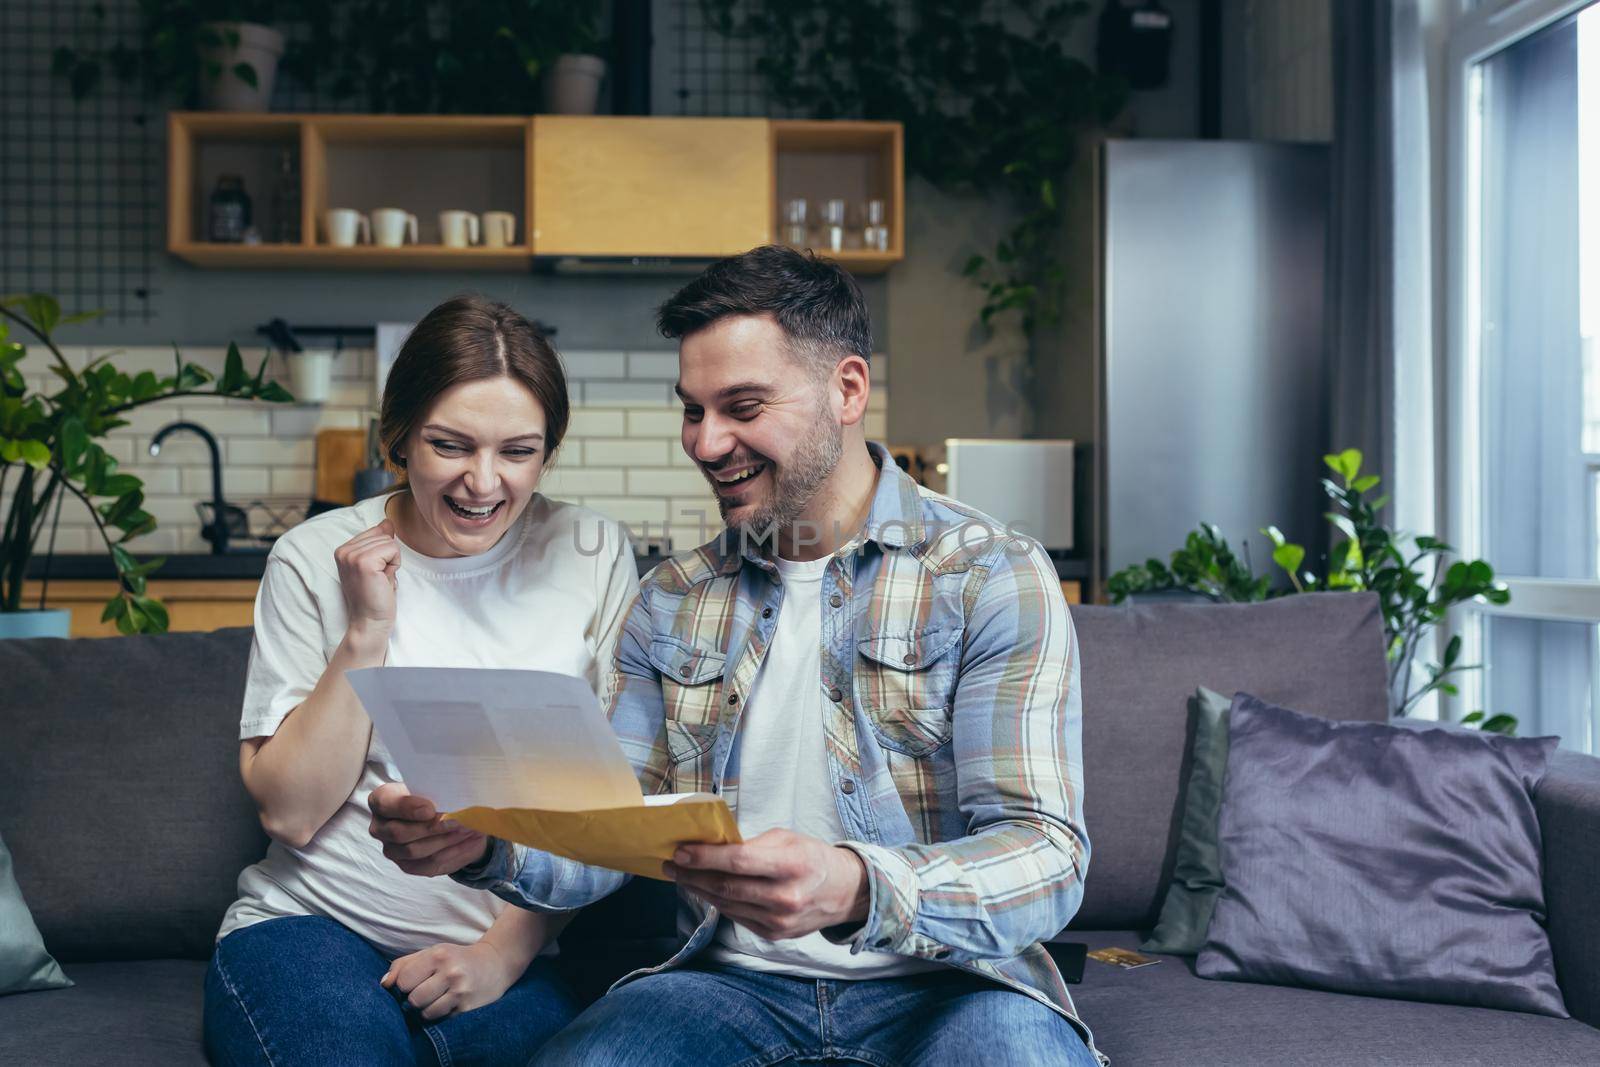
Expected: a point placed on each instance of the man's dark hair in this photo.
(815, 302)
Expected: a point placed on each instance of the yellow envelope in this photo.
(636, 839)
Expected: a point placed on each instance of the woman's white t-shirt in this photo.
(550, 595)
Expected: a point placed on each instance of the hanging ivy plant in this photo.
(990, 100)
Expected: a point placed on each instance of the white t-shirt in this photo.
(550, 595)
(784, 781)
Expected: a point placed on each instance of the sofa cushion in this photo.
(1142, 662)
(120, 794)
(24, 963)
(1372, 858)
(1197, 868)
(117, 1014)
(1166, 1016)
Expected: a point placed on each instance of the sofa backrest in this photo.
(120, 796)
(121, 801)
(1321, 653)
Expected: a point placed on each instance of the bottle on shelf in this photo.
(230, 210)
(285, 227)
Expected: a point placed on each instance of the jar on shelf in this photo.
(230, 211)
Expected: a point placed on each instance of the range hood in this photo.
(592, 265)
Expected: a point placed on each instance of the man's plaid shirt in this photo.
(953, 719)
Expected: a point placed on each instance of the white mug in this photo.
(391, 227)
(458, 229)
(346, 227)
(499, 229)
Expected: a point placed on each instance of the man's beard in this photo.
(796, 480)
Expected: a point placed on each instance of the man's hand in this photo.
(448, 979)
(417, 837)
(779, 885)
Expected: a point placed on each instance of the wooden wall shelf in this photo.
(599, 186)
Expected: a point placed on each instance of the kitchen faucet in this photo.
(217, 530)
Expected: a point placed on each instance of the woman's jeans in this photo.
(304, 990)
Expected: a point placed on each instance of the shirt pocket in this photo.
(691, 695)
(906, 685)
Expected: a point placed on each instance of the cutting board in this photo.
(340, 453)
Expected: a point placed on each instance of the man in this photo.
(882, 683)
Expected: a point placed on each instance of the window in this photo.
(1525, 359)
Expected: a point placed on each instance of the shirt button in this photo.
(766, 613)
(882, 942)
(911, 657)
(848, 786)
(836, 694)
(733, 698)
(684, 671)
(836, 600)
(942, 954)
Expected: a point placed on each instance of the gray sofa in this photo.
(120, 800)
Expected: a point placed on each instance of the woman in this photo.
(331, 954)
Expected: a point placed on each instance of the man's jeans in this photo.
(714, 1016)
(304, 990)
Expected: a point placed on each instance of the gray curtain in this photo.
(1380, 342)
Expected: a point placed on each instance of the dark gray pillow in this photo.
(1367, 858)
(24, 964)
(1197, 870)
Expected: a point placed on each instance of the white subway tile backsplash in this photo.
(236, 422)
(653, 366)
(172, 510)
(666, 482)
(271, 453)
(632, 511)
(643, 422)
(164, 480)
(622, 455)
(305, 420)
(69, 539)
(356, 395)
(596, 422)
(179, 450)
(237, 482)
(585, 364)
(625, 394)
(571, 483)
(626, 453)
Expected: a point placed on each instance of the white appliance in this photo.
(1025, 486)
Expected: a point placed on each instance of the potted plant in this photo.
(217, 54)
(50, 450)
(1415, 586)
(572, 80)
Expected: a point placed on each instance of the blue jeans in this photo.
(715, 1016)
(304, 990)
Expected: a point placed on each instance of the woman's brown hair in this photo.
(468, 339)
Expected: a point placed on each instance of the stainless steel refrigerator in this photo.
(1211, 370)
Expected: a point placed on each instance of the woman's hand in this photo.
(447, 979)
(368, 563)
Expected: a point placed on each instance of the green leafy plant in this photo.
(990, 100)
(165, 59)
(483, 57)
(50, 444)
(1414, 579)
(411, 56)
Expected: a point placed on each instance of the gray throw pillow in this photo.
(24, 964)
(1197, 870)
(1369, 858)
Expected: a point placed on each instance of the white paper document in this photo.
(474, 737)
